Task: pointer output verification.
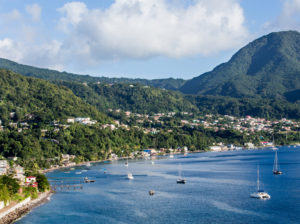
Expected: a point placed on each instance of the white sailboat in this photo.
(260, 194)
(276, 170)
(180, 179)
(130, 176)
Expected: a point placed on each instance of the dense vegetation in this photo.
(240, 107)
(23, 98)
(52, 75)
(148, 100)
(268, 67)
(9, 188)
(134, 98)
(93, 143)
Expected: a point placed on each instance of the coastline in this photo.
(106, 160)
(166, 154)
(19, 210)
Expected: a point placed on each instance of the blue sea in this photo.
(218, 190)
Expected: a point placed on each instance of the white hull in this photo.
(130, 176)
(260, 195)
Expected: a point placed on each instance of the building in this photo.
(19, 174)
(3, 167)
(31, 181)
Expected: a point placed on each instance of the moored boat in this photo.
(260, 194)
(130, 176)
(276, 169)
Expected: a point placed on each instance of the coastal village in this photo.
(155, 123)
(149, 124)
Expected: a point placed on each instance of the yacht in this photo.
(151, 192)
(130, 176)
(276, 170)
(180, 179)
(260, 194)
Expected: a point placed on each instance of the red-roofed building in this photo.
(31, 181)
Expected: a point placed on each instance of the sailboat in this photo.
(126, 163)
(130, 176)
(180, 180)
(260, 194)
(276, 170)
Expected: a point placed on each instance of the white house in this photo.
(3, 167)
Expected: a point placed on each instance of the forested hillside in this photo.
(128, 97)
(268, 67)
(52, 75)
(23, 97)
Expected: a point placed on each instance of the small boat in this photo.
(87, 180)
(152, 162)
(88, 164)
(260, 194)
(151, 192)
(130, 176)
(171, 156)
(78, 173)
(276, 170)
(180, 180)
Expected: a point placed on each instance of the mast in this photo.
(275, 162)
(257, 178)
(179, 171)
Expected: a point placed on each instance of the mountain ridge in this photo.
(53, 75)
(267, 67)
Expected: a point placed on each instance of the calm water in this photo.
(217, 191)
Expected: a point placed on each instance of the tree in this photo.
(11, 184)
(43, 183)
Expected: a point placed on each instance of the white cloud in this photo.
(127, 29)
(34, 11)
(289, 17)
(73, 13)
(148, 28)
(44, 55)
(10, 49)
(14, 15)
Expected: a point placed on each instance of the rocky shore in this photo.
(21, 209)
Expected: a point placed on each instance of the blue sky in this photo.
(137, 38)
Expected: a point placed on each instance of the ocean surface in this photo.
(218, 190)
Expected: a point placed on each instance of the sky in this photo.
(137, 38)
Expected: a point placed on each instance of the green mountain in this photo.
(31, 97)
(128, 97)
(268, 67)
(52, 75)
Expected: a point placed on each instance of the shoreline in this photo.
(19, 210)
(166, 154)
(106, 160)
